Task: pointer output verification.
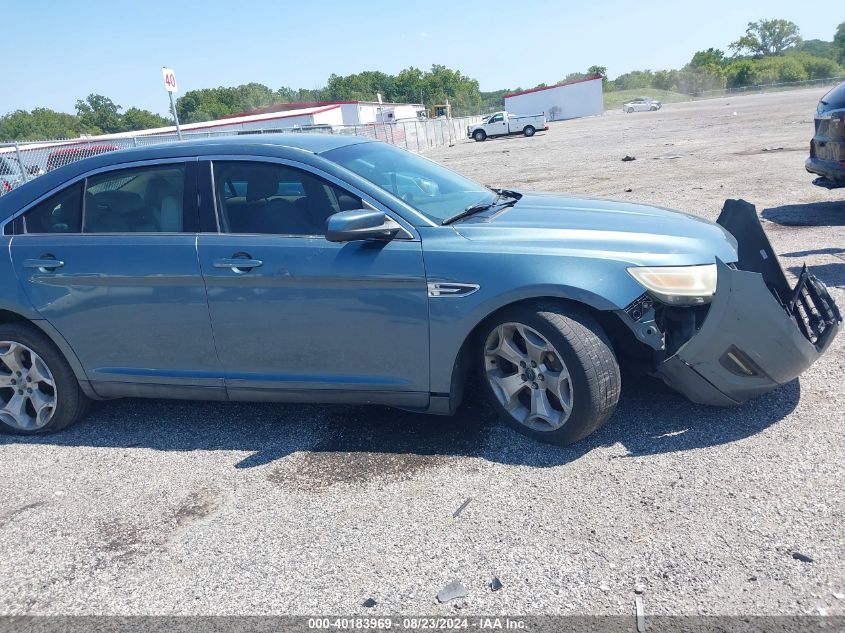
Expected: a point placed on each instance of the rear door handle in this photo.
(44, 265)
(237, 264)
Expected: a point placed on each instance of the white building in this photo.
(329, 113)
(570, 100)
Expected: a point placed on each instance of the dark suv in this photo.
(827, 149)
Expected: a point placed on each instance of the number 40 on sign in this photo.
(169, 79)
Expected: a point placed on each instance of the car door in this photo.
(496, 126)
(294, 313)
(110, 261)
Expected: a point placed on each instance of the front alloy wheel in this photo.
(549, 370)
(528, 377)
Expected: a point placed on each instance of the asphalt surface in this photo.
(156, 507)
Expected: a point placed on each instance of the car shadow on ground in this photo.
(832, 274)
(357, 442)
(812, 214)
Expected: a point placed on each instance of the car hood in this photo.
(640, 234)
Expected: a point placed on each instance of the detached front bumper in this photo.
(759, 332)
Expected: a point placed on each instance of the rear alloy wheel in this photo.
(479, 135)
(550, 371)
(38, 390)
(529, 130)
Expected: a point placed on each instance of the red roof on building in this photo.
(560, 85)
(284, 107)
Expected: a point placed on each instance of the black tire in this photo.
(629, 110)
(529, 130)
(479, 135)
(587, 354)
(71, 403)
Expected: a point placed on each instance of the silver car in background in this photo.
(641, 104)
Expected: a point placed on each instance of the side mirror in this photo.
(361, 224)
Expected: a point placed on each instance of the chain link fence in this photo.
(23, 161)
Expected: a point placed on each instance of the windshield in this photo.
(434, 191)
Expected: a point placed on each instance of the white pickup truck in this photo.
(502, 123)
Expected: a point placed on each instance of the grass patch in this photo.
(614, 100)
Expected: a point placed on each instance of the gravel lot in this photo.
(153, 507)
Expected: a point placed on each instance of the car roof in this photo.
(279, 145)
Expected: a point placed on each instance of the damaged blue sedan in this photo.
(323, 268)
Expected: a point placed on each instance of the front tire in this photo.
(39, 392)
(479, 135)
(529, 130)
(549, 371)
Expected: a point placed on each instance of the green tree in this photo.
(839, 42)
(767, 37)
(773, 70)
(409, 85)
(665, 79)
(817, 67)
(741, 74)
(99, 114)
(213, 103)
(599, 70)
(39, 124)
(711, 59)
(363, 86)
(137, 119)
(634, 80)
(819, 48)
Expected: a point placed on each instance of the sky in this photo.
(58, 51)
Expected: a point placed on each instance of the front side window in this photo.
(433, 190)
(139, 200)
(60, 213)
(497, 119)
(254, 197)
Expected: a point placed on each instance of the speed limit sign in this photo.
(169, 79)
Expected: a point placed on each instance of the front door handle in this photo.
(237, 264)
(43, 264)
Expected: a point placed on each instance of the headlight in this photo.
(678, 285)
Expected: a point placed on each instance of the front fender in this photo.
(503, 279)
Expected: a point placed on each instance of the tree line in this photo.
(770, 51)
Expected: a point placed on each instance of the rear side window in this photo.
(140, 200)
(60, 213)
(148, 199)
